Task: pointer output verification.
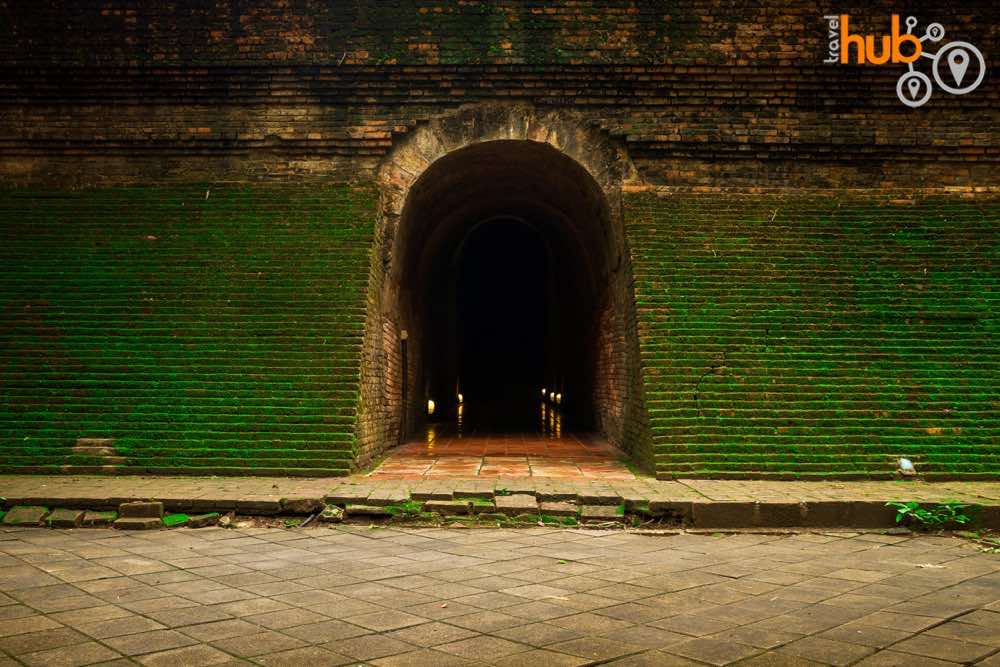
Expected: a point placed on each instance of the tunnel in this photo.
(505, 256)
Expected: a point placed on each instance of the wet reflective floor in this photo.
(461, 449)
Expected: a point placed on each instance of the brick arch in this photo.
(428, 165)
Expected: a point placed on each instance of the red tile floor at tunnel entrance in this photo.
(534, 445)
(443, 453)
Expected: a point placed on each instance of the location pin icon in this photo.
(914, 86)
(958, 63)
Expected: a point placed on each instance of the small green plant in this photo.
(914, 515)
(502, 492)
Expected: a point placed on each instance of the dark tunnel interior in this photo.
(504, 251)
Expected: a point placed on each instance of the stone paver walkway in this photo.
(438, 597)
(697, 503)
(444, 454)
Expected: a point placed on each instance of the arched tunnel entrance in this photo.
(507, 287)
(505, 255)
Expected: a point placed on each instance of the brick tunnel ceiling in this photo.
(506, 259)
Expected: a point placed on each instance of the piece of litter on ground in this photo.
(931, 566)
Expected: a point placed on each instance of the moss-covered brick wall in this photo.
(203, 328)
(799, 335)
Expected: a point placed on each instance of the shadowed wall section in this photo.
(203, 330)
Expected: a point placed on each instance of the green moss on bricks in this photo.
(817, 336)
(198, 326)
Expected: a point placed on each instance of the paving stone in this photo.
(247, 506)
(447, 506)
(366, 510)
(943, 649)
(65, 518)
(188, 656)
(175, 520)
(711, 650)
(348, 495)
(141, 509)
(260, 643)
(431, 634)
(553, 508)
(369, 647)
(93, 518)
(598, 497)
(383, 621)
(554, 496)
(25, 515)
(601, 513)
(308, 655)
(387, 497)
(472, 492)
(650, 596)
(593, 648)
(536, 657)
(148, 642)
(70, 656)
(442, 494)
(483, 648)
(138, 523)
(518, 503)
(427, 657)
(826, 651)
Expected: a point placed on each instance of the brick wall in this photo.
(206, 329)
(816, 335)
(705, 93)
(282, 103)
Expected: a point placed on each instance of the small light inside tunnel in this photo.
(552, 395)
(544, 392)
(430, 406)
(559, 398)
(461, 399)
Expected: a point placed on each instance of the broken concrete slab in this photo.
(65, 518)
(387, 497)
(598, 497)
(255, 506)
(141, 509)
(558, 509)
(25, 515)
(432, 495)
(138, 523)
(447, 507)
(602, 513)
(347, 495)
(93, 519)
(518, 503)
(367, 510)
